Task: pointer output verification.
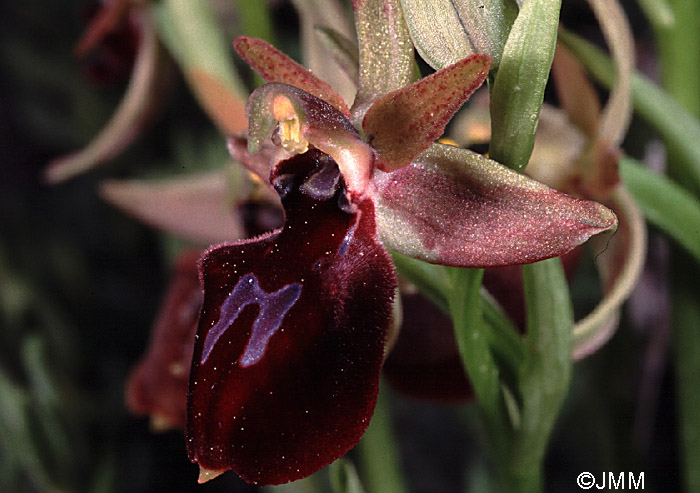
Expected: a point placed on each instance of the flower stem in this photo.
(379, 459)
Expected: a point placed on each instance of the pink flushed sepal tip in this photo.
(292, 332)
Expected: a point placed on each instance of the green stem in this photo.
(545, 373)
(503, 337)
(472, 341)
(379, 458)
(519, 444)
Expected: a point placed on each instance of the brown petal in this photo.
(274, 66)
(405, 122)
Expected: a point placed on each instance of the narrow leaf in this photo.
(518, 91)
(274, 66)
(405, 122)
(386, 52)
(380, 461)
(666, 205)
(686, 335)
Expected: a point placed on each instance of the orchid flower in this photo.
(293, 326)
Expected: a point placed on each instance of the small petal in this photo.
(257, 163)
(455, 207)
(330, 14)
(274, 66)
(295, 119)
(405, 122)
(292, 333)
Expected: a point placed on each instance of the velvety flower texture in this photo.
(294, 323)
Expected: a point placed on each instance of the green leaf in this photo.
(686, 335)
(518, 90)
(17, 440)
(344, 477)
(477, 358)
(665, 204)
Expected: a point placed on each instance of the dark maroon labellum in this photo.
(292, 332)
